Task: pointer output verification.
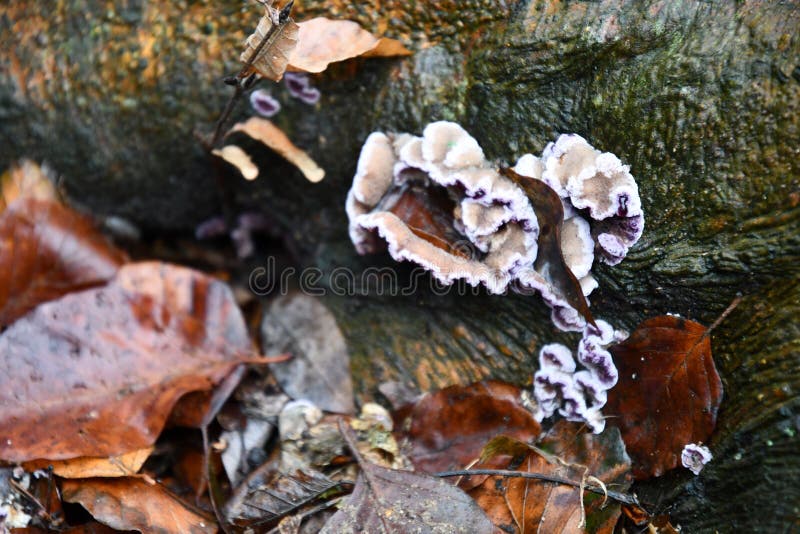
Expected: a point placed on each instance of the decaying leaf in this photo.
(96, 373)
(46, 251)
(524, 505)
(115, 466)
(130, 503)
(325, 41)
(320, 368)
(28, 180)
(239, 159)
(550, 260)
(387, 501)
(428, 212)
(668, 393)
(271, 58)
(448, 429)
(273, 137)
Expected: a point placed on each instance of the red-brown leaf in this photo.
(449, 428)
(133, 504)
(46, 251)
(96, 373)
(668, 392)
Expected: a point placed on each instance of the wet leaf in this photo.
(273, 57)
(239, 159)
(115, 466)
(568, 452)
(320, 368)
(46, 251)
(668, 393)
(448, 429)
(132, 504)
(96, 373)
(550, 259)
(324, 41)
(273, 137)
(385, 501)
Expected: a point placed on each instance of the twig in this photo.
(617, 496)
(245, 79)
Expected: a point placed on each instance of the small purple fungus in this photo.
(694, 456)
(264, 104)
(299, 85)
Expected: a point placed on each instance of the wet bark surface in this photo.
(701, 100)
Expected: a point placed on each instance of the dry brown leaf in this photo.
(96, 373)
(133, 504)
(115, 466)
(46, 251)
(25, 179)
(325, 41)
(273, 57)
(273, 137)
(239, 159)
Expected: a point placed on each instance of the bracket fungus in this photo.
(695, 456)
(436, 201)
(577, 394)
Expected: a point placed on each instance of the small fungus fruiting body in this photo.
(694, 456)
(264, 104)
(577, 393)
(492, 232)
(299, 85)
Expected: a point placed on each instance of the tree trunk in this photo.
(701, 100)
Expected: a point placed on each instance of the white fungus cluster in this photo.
(602, 210)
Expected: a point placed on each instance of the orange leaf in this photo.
(96, 373)
(668, 392)
(324, 41)
(115, 466)
(133, 504)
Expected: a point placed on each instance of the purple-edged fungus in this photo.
(299, 86)
(263, 103)
(577, 393)
(694, 456)
(436, 201)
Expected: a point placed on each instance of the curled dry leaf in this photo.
(386, 501)
(46, 251)
(132, 504)
(272, 58)
(668, 393)
(25, 180)
(115, 466)
(239, 159)
(96, 373)
(273, 137)
(448, 429)
(325, 41)
(550, 259)
(524, 505)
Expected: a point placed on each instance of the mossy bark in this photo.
(701, 99)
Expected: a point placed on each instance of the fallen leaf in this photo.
(115, 466)
(319, 370)
(96, 373)
(525, 505)
(668, 393)
(324, 41)
(448, 429)
(25, 180)
(46, 251)
(272, 58)
(239, 159)
(428, 213)
(550, 259)
(92, 527)
(384, 501)
(273, 137)
(132, 504)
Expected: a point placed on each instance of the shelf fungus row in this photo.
(436, 201)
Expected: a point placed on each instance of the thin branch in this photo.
(617, 496)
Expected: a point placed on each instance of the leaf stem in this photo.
(617, 496)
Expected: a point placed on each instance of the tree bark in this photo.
(701, 100)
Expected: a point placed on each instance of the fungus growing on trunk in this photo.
(436, 201)
(695, 456)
